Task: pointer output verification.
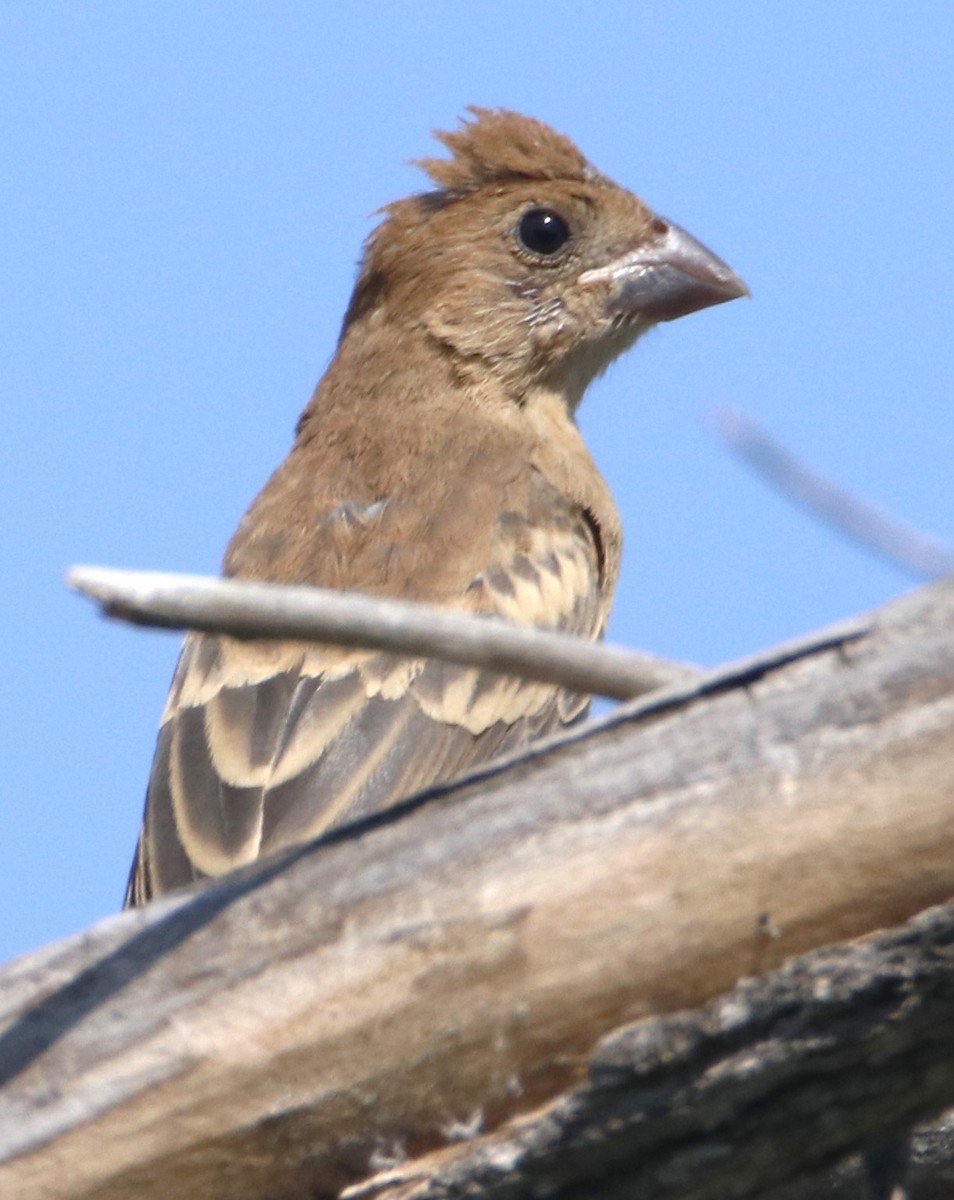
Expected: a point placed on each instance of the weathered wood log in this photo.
(281, 1033)
(781, 1076)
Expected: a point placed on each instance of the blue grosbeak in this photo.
(439, 461)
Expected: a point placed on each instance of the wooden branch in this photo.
(781, 1076)
(284, 1032)
(268, 610)
(902, 545)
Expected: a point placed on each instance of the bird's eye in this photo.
(543, 231)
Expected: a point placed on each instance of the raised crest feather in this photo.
(499, 145)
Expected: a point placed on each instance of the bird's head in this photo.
(526, 265)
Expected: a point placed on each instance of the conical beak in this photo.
(669, 277)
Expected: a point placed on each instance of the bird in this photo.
(438, 460)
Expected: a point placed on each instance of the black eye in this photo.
(543, 231)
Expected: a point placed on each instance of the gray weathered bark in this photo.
(286, 1031)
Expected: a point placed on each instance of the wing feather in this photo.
(264, 745)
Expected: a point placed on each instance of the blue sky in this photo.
(185, 188)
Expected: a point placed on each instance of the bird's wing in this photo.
(266, 744)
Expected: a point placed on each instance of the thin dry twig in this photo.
(902, 545)
(264, 610)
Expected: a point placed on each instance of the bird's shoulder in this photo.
(414, 495)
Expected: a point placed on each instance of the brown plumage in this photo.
(438, 460)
